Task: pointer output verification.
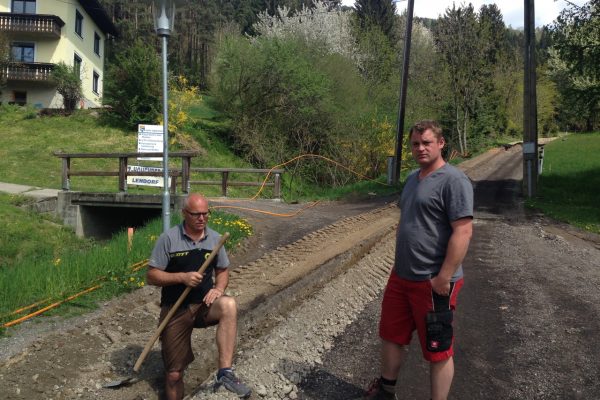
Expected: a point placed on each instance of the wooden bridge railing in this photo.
(225, 182)
(122, 173)
(184, 172)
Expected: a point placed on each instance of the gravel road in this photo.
(309, 289)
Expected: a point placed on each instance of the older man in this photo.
(174, 263)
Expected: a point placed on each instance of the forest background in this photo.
(296, 77)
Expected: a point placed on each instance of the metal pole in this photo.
(166, 201)
(402, 103)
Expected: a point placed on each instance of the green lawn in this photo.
(569, 187)
(41, 261)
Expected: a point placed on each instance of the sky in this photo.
(545, 11)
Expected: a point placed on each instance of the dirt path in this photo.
(309, 289)
(528, 316)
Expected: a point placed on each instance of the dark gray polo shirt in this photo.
(175, 251)
(428, 206)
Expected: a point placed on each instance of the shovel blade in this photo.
(121, 382)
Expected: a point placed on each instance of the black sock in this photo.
(222, 371)
(388, 382)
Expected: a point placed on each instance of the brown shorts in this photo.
(176, 338)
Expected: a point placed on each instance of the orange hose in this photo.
(262, 186)
(49, 307)
(271, 213)
(20, 310)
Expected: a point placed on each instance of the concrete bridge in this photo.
(100, 215)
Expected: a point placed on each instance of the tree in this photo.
(68, 84)
(457, 38)
(380, 13)
(574, 60)
(132, 85)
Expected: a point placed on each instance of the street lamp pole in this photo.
(164, 15)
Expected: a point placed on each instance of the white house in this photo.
(41, 33)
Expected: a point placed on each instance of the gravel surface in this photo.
(309, 289)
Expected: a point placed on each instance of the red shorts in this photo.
(404, 309)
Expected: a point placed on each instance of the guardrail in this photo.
(184, 172)
(225, 182)
(122, 173)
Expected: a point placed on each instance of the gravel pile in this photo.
(280, 360)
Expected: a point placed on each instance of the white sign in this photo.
(150, 140)
(157, 181)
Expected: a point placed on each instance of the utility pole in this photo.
(402, 103)
(530, 137)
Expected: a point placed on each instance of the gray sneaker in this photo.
(233, 384)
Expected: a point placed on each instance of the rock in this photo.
(261, 390)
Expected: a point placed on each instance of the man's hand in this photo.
(212, 295)
(191, 279)
(440, 285)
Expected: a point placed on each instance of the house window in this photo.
(23, 6)
(20, 98)
(22, 52)
(78, 23)
(96, 43)
(95, 81)
(77, 65)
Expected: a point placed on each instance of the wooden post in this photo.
(530, 137)
(277, 186)
(185, 174)
(173, 182)
(66, 169)
(225, 177)
(122, 174)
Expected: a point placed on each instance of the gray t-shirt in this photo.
(428, 207)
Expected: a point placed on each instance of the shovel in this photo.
(134, 378)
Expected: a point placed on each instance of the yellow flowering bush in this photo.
(181, 96)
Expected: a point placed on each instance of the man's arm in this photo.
(462, 230)
(158, 277)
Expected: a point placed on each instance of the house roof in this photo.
(99, 15)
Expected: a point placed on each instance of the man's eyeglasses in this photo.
(197, 214)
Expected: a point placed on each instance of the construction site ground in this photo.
(309, 290)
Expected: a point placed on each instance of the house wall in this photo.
(55, 51)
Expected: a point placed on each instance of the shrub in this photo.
(68, 84)
(132, 88)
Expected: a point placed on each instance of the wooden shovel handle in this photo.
(175, 306)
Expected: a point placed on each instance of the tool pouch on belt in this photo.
(439, 323)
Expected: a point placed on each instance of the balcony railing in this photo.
(46, 25)
(18, 71)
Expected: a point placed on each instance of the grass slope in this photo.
(569, 187)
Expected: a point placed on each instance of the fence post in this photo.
(122, 174)
(277, 186)
(224, 179)
(66, 168)
(185, 174)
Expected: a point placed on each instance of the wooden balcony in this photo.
(31, 24)
(29, 72)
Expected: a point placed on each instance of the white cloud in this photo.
(545, 11)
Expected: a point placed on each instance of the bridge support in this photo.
(100, 215)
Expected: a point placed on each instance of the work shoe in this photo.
(233, 384)
(380, 391)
